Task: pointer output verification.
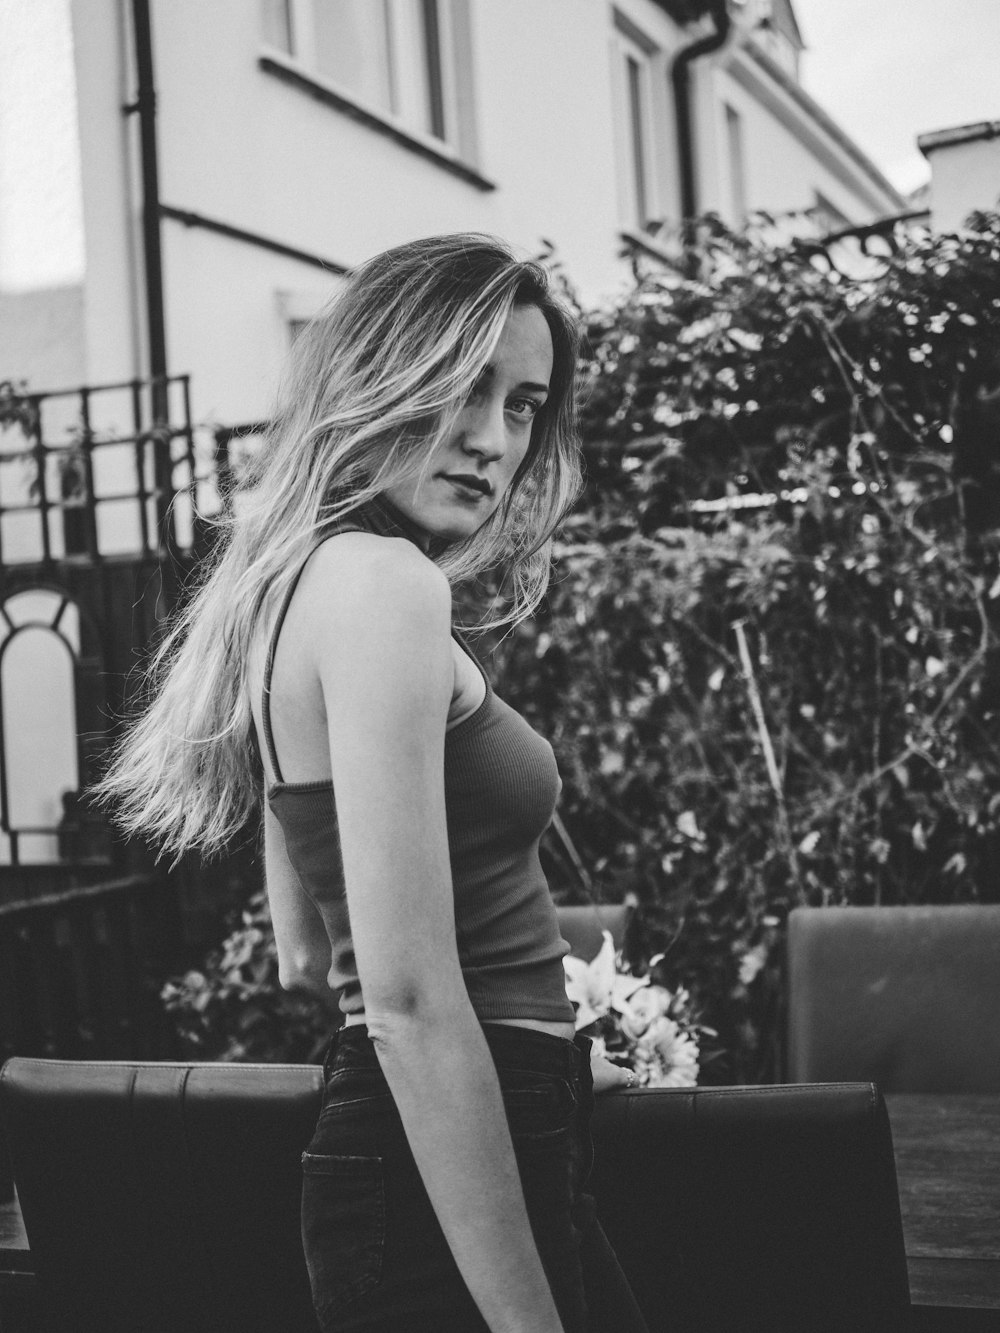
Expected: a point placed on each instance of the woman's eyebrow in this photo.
(489, 370)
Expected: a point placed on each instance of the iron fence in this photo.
(106, 496)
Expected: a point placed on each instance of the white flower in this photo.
(666, 1057)
(598, 1047)
(751, 963)
(687, 824)
(747, 339)
(598, 986)
(643, 1008)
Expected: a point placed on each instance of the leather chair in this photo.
(908, 997)
(164, 1198)
(583, 927)
(754, 1209)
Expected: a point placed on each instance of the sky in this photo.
(888, 70)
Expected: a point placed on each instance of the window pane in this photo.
(637, 122)
(39, 717)
(352, 48)
(432, 56)
(737, 179)
(276, 24)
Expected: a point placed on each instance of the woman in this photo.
(425, 435)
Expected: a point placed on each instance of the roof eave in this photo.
(981, 130)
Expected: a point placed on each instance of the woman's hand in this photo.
(608, 1075)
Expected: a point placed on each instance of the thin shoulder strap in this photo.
(265, 703)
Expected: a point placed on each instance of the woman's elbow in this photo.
(396, 1012)
(303, 972)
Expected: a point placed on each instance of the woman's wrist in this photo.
(608, 1076)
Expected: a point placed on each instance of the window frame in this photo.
(433, 108)
(736, 161)
(637, 64)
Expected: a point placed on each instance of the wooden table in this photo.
(947, 1151)
(17, 1279)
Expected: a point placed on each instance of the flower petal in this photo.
(624, 987)
(603, 966)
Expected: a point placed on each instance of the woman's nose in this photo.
(481, 431)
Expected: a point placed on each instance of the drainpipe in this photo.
(680, 74)
(145, 105)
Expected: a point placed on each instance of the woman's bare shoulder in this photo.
(360, 583)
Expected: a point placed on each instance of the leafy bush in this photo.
(233, 1008)
(768, 661)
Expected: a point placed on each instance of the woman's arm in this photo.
(300, 937)
(381, 614)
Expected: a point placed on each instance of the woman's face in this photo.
(469, 472)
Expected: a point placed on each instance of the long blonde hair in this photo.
(373, 384)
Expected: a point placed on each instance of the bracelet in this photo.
(632, 1078)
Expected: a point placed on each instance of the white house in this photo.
(965, 171)
(295, 137)
(183, 181)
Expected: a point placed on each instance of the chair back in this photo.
(165, 1199)
(754, 1209)
(908, 997)
(583, 927)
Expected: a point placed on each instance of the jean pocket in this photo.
(343, 1229)
(349, 1092)
(538, 1106)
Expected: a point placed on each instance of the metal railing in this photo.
(74, 460)
(105, 496)
(80, 972)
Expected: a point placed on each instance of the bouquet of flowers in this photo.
(634, 1021)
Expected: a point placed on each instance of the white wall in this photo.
(240, 146)
(111, 217)
(41, 214)
(964, 177)
(779, 172)
(788, 154)
(267, 157)
(42, 337)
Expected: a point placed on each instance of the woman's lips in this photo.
(475, 488)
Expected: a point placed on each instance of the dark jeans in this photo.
(377, 1257)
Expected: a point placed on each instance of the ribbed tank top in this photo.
(501, 785)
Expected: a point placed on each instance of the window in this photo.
(352, 48)
(737, 169)
(637, 134)
(638, 120)
(408, 61)
(276, 24)
(774, 31)
(39, 762)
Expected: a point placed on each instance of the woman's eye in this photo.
(524, 407)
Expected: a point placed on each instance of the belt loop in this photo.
(330, 1052)
(582, 1046)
